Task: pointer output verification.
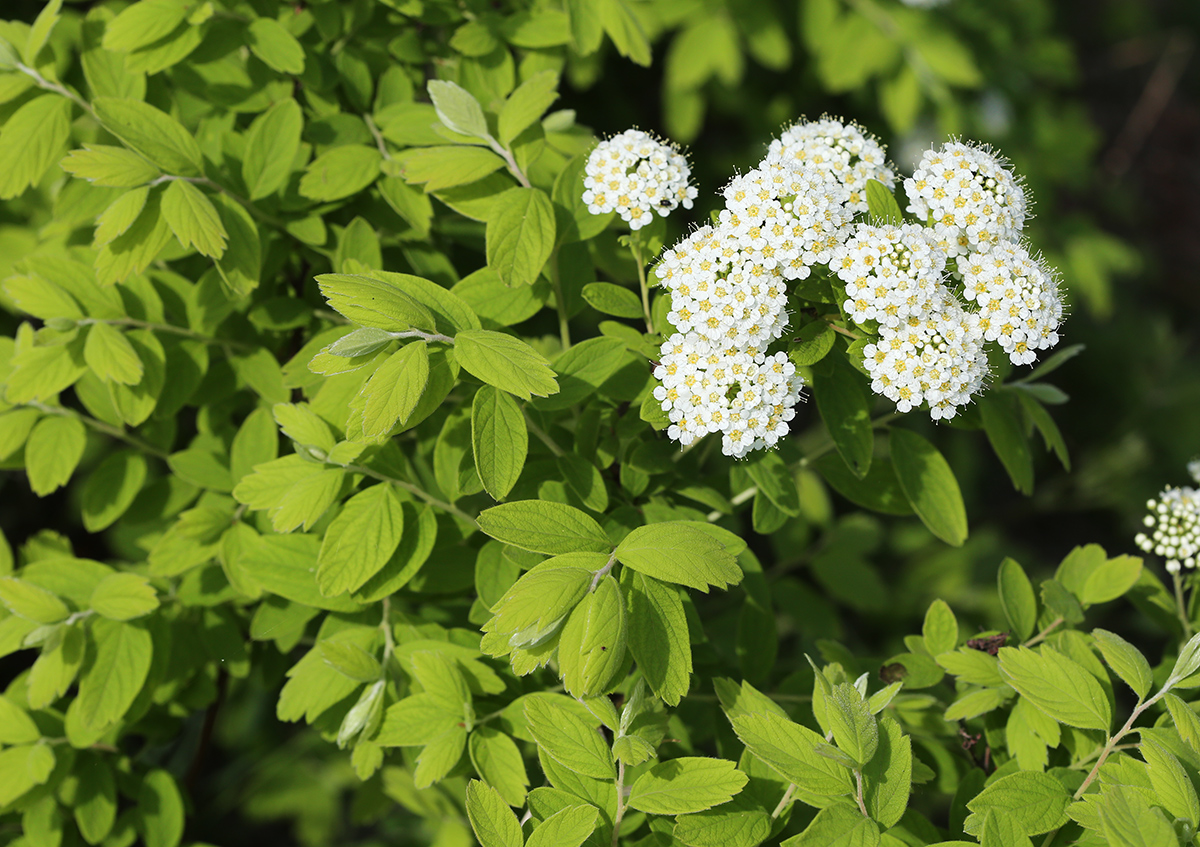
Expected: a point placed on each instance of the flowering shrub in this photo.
(367, 392)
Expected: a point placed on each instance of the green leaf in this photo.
(1172, 787)
(21, 768)
(142, 24)
(1017, 598)
(360, 540)
(120, 216)
(658, 636)
(41, 298)
(31, 141)
(972, 666)
(774, 478)
(1045, 424)
(1126, 660)
(350, 660)
(790, 750)
(682, 786)
(1006, 433)
(272, 143)
(567, 827)
(498, 761)
(1188, 661)
(568, 739)
(837, 826)
(882, 205)
(111, 487)
(583, 369)
(395, 389)
(111, 681)
(154, 134)
(278, 48)
(1111, 580)
(30, 601)
(110, 355)
(612, 299)
(1037, 801)
(520, 235)
(493, 822)
(1127, 820)
(301, 424)
(625, 30)
(583, 479)
(930, 486)
(1185, 720)
(416, 721)
(95, 804)
(109, 167)
(544, 527)
(340, 172)
(533, 607)
(1057, 685)
(53, 452)
(854, 727)
(39, 33)
(160, 810)
(499, 439)
(457, 108)
(676, 551)
(194, 219)
(446, 167)
(887, 778)
(505, 362)
(374, 302)
(527, 104)
(591, 647)
(123, 597)
(742, 822)
(940, 629)
(296, 492)
(16, 727)
(879, 491)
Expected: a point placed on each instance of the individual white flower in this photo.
(634, 174)
(1020, 305)
(843, 150)
(1173, 528)
(970, 197)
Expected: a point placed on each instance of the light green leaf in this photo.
(271, 146)
(683, 786)
(1128, 820)
(505, 362)
(1057, 685)
(930, 486)
(1185, 720)
(1037, 801)
(541, 598)
(591, 647)
(1188, 661)
(775, 479)
(193, 219)
(527, 104)
(16, 727)
(374, 302)
(95, 800)
(567, 827)
(1172, 787)
(21, 768)
(120, 216)
(53, 452)
(499, 439)
(940, 629)
(360, 540)
(109, 167)
(1017, 598)
(1111, 580)
(109, 684)
(612, 300)
(568, 739)
(277, 47)
(625, 30)
(457, 108)
(520, 235)
(361, 342)
(160, 810)
(123, 597)
(417, 720)
(395, 389)
(498, 761)
(658, 637)
(39, 33)
(446, 167)
(41, 298)
(493, 822)
(675, 551)
(1126, 660)
(142, 24)
(839, 825)
(110, 355)
(350, 660)
(154, 134)
(256, 442)
(111, 487)
(340, 172)
(742, 822)
(854, 727)
(790, 750)
(1006, 433)
(887, 778)
(882, 205)
(301, 424)
(31, 141)
(32, 602)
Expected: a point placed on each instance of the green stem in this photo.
(635, 245)
(1121, 733)
(542, 435)
(509, 160)
(560, 301)
(57, 88)
(858, 793)
(101, 426)
(416, 491)
(620, 803)
(379, 140)
(603, 572)
(1181, 607)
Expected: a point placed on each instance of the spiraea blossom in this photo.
(1020, 306)
(1173, 525)
(633, 174)
(843, 150)
(971, 198)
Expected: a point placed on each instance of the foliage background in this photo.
(1096, 103)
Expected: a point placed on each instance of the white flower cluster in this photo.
(930, 348)
(970, 197)
(728, 286)
(1173, 526)
(633, 173)
(1020, 306)
(841, 149)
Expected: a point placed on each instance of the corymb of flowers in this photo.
(1173, 525)
(814, 232)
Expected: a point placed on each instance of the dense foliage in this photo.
(353, 494)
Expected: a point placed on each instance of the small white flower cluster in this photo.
(930, 348)
(970, 197)
(1020, 306)
(841, 149)
(633, 173)
(1173, 527)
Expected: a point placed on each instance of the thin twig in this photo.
(542, 435)
(783, 801)
(1041, 636)
(101, 426)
